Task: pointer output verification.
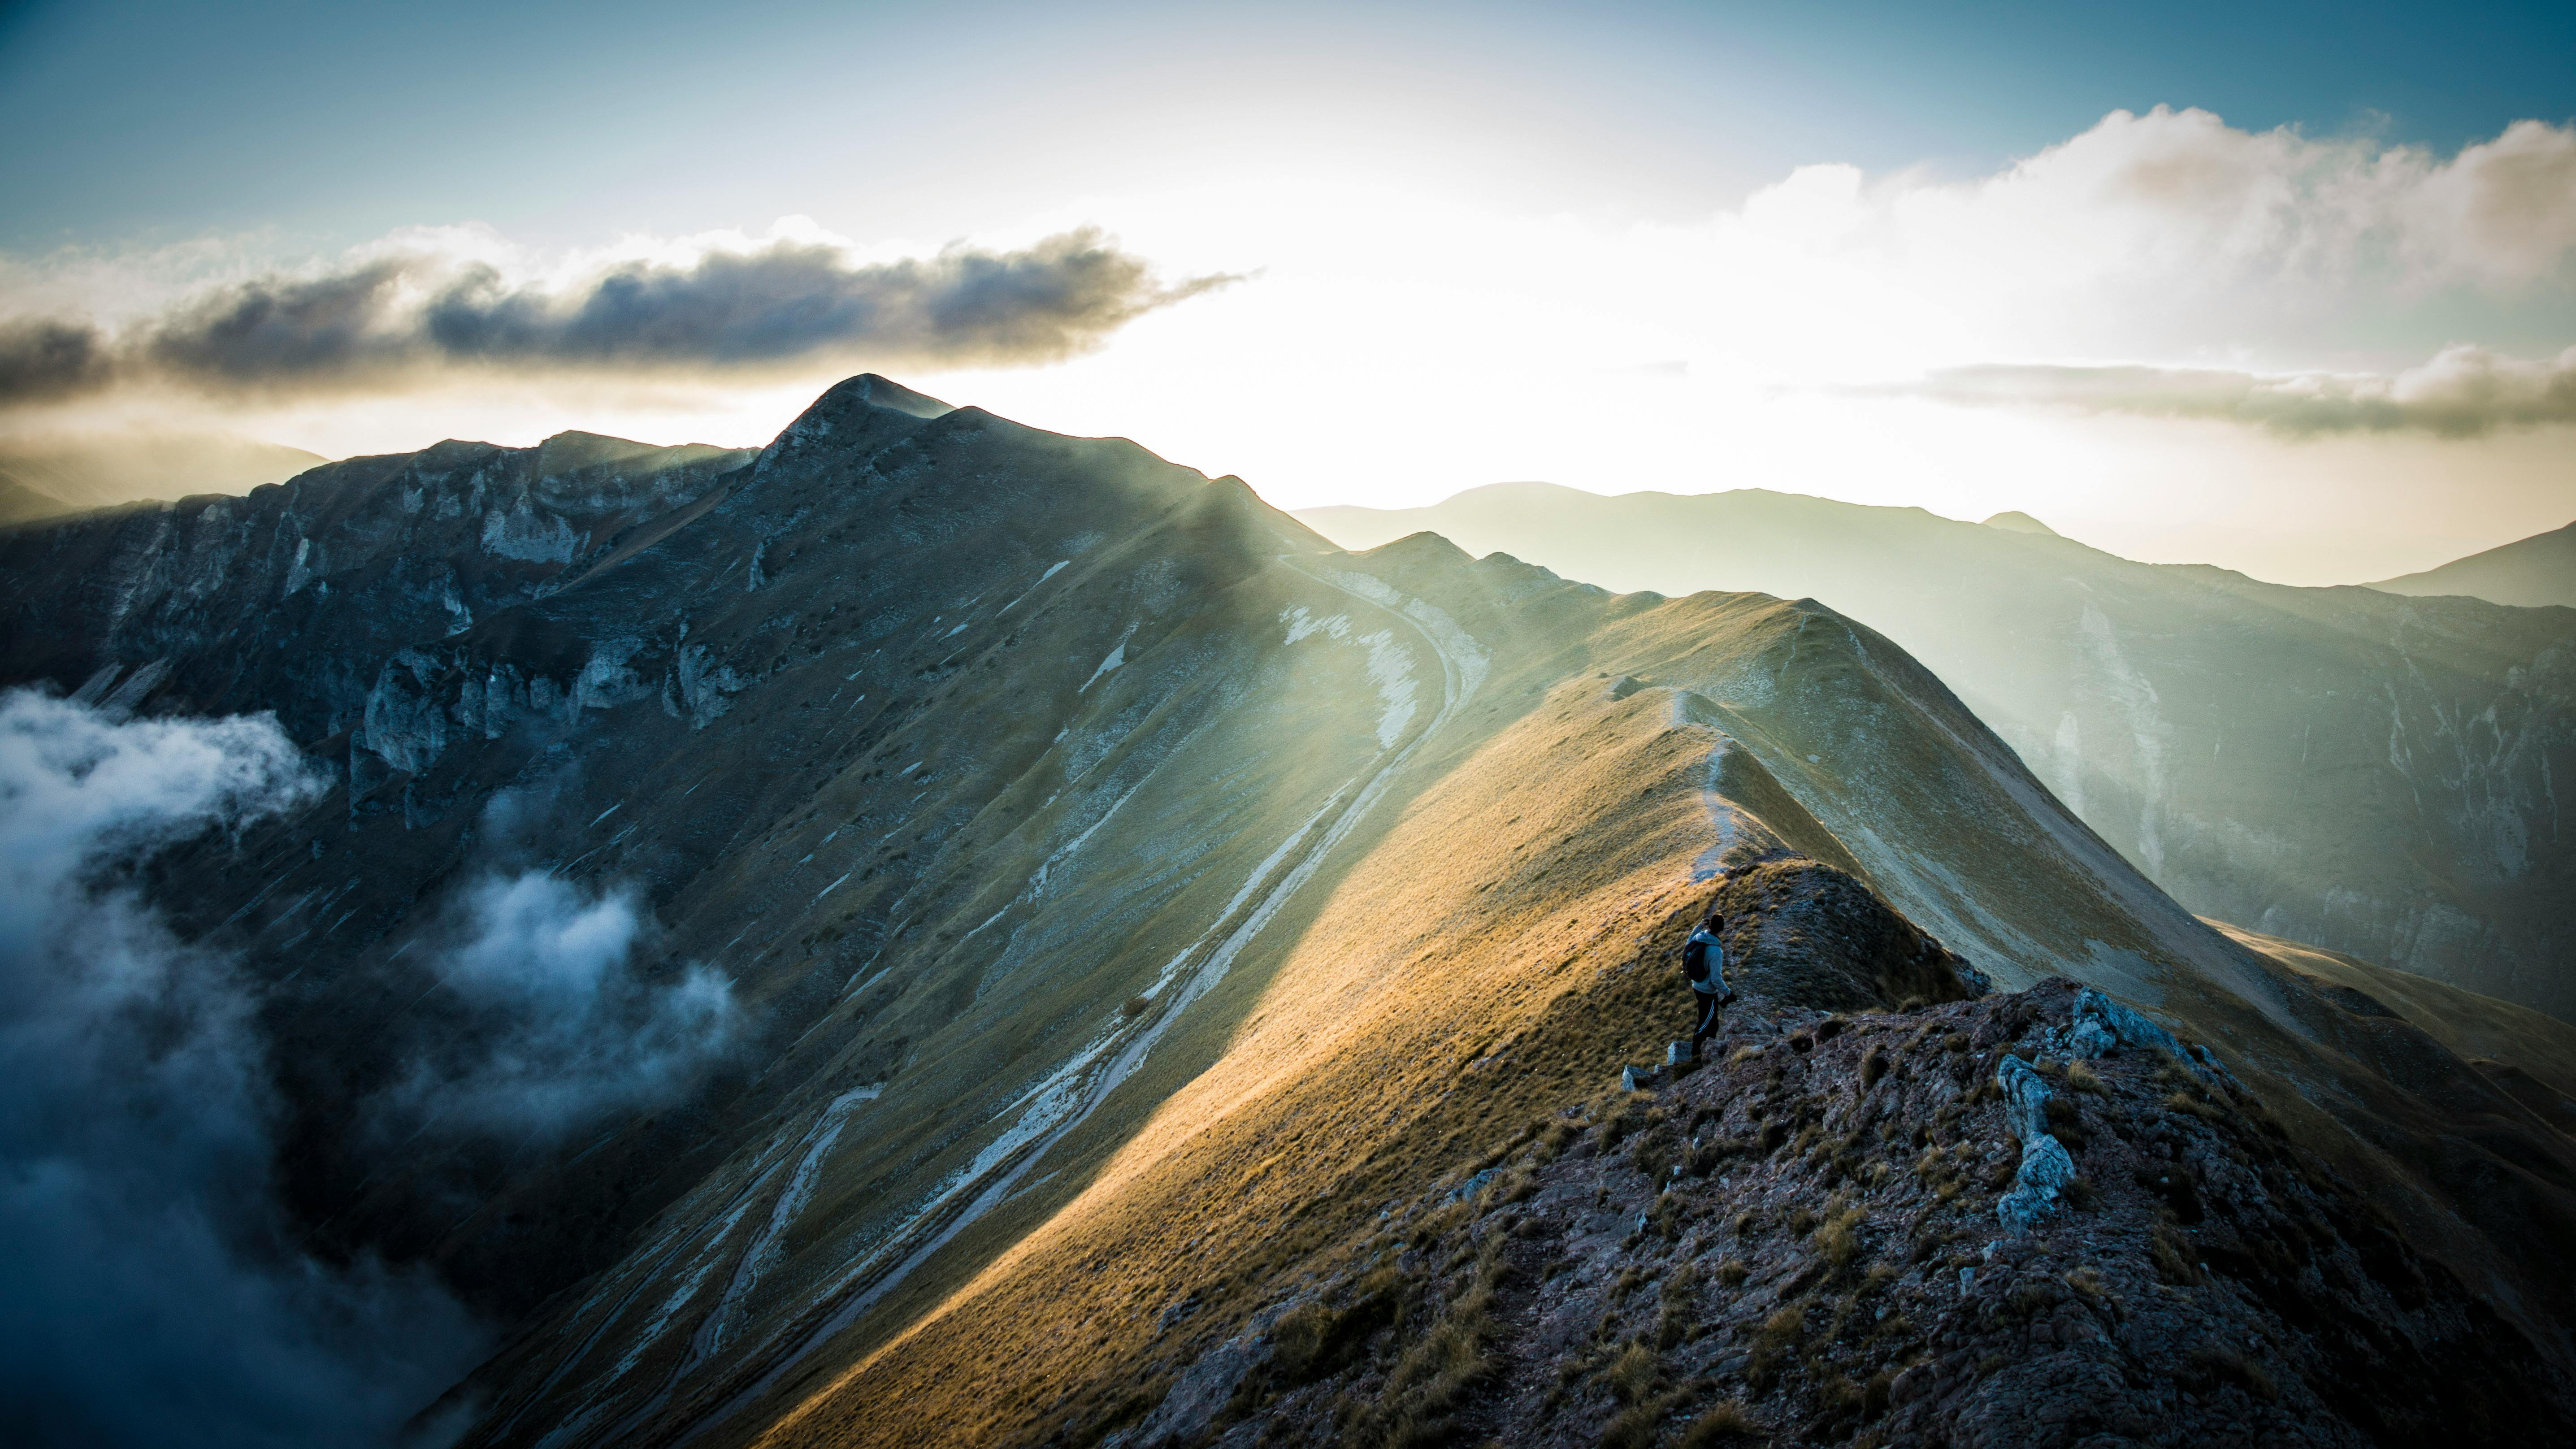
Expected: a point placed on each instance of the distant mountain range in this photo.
(1184, 969)
(50, 477)
(2535, 572)
(2373, 774)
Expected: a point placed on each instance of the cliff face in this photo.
(293, 597)
(1125, 897)
(2371, 773)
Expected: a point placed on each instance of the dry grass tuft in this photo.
(1838, 1239)
(2080, 1077)
(2212, 1364)
(1775, 1340)
(1873, 1065)
(1721, 1423)
(2186, 1102)
(2175, 1258)
(2088, 1285)
(1632, 1374)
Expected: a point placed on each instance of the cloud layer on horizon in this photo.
(401, 319)
(2462, 392)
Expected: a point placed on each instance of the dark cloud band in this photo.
(400, 321)
(2463, 392)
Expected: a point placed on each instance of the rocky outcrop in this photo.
(1798, 1245)
(1806, 933)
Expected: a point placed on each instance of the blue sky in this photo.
(2287, 287)
(342, 120)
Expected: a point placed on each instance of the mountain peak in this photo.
(2016, 521)
(877, 390)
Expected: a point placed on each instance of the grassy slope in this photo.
(1423, 1017)
(2471, 1026)
(1498, 921)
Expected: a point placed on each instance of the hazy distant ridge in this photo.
(2370, 773)
(2532, 572)
(49, 477)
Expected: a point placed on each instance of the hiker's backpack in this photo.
(1704, 975)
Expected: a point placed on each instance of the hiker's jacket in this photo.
(1704, 962)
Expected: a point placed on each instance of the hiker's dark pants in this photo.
(1708, 1004)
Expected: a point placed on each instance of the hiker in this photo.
(1704, 962)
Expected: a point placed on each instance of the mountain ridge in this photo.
(2534, 572)
(2194, 716)
(1125, 893)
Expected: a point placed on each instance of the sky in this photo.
(2289, 288)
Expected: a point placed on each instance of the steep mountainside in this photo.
(2532, 572)
(2335, 765)
(1134, 905)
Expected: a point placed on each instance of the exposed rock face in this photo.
(1798, 1244)
(2343, 766)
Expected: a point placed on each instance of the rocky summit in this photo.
(1019, 942)
(1840, 1229)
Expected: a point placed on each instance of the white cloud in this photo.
(2163, 232)
(555, 1025)
(154, 1295)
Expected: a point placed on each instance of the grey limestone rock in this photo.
(2045, 1166)
(2103, 1026)
(1200, 1391)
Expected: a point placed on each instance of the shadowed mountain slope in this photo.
(2533, 572)
(2336, 765)
(1128, 898)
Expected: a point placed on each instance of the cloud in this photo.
(2183, 193)
(155, 1293)
(48, 361)
(408, 317)
(2462, 392)
(555, 1026)
(2162, 233)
